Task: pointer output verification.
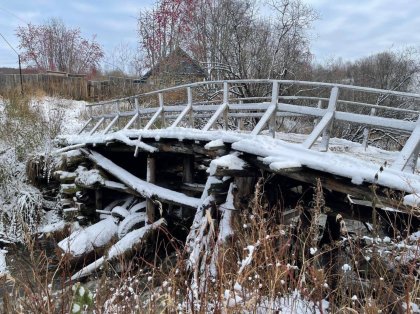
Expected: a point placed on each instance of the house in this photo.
(176, 68)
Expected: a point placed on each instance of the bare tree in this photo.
(122, 61)
(230, 38)
(54, 46)
(390, 70)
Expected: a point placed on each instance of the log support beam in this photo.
(151, 178)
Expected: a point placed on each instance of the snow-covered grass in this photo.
(261, 266)
(28, 125)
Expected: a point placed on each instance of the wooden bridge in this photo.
(214, 126)
(184, 148)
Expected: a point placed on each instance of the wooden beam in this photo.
(222, 108)
(141, 187)
(410, 152)
(188, 169)
(151, 178)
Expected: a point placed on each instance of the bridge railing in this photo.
(258, 106)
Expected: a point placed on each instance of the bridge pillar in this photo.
(188, 169)
(150, 177)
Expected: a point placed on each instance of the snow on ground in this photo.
(58, 115)
(69, 111)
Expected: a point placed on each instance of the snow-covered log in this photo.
(86, 240)
(146, 189)
(124, 245)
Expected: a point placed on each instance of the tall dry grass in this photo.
(266, 266)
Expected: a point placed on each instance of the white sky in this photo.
(347, 28)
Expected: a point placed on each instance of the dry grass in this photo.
(264, 267)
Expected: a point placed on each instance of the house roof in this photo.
(178, 62)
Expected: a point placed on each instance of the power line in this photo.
(9, 44)
(11, 13)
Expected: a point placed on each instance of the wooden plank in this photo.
(85, 126)
(151, 178)
(133, 119)
(410, 150)
(154, 118)
(141, 187)
(182, 115)
(324, 125)
(311, 139)
(342, 185)
(375, 121)
(265, 118)
(96, 126)
(222, 108)
(111, 124)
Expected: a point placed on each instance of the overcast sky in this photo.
(347, 28)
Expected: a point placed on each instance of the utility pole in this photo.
(20, 68)
(20, 74)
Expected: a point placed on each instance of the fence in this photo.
(72, 86)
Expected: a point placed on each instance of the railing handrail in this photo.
(265, 81)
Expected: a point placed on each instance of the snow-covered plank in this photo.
(182, 115)
(284, 165)
(154, 118)
(387, 123)
(410, 149)
(132, 120)
(346, 166)
(320, 127)
(142, 187)
(86, 240)
(97, 125)
(85, 126)
(68, 148)
(222, 108)
(111, 124)
(264, 120)
(229, 162)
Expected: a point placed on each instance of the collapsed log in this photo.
(143, 188)
(125, 244)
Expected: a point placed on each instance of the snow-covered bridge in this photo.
(292, 130)
(187, 147)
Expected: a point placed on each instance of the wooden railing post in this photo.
(407, 158)
(136, 103)
(225, 101)
(319, 106)
(326, 134)
(162, 114)
(272, 124)
(240, 119)
(366, 131)
(270, 114)
(151, 178)
(190, 102)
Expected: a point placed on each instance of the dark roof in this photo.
(178, 62)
